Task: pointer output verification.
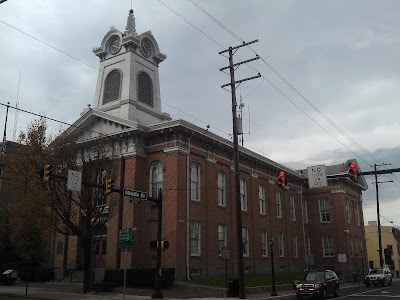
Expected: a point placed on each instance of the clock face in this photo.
(145, 49)
(115, 45)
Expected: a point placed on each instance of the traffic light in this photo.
(352, 171)
(282, 180)
(164, 245)
(109, 186)
(47, 172)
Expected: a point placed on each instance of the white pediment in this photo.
(95, 124)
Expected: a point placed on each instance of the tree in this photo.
(72, 213)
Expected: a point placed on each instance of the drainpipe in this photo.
(187, 209)
(303, 218)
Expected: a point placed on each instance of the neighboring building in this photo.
(390, 237)
(194, 169)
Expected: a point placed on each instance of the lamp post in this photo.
(271, 243)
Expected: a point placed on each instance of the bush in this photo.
(104, 286)
(140, 277)
(35, 274)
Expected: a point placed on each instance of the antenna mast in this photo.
(16, 108)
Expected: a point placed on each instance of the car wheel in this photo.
(300, 297)
(323, 296)
(368, 284)
(390, 282)
(384, 282)
(375, 284)
(336, 293)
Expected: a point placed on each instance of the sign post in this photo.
(226, 255)
(317, 177)
(126, 244)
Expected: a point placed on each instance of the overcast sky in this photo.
(340, 57)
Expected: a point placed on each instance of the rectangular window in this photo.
(195, 182)
(327, 245)
(295, 247)
(351, 246)
(264, 243)
(221, 189)
(261, 197)
(243, 195)
(358, 214)
(281, 245)
(325, 211)
(245, 239)
(292, 208)
(222, 238)
(278, 197)
(308, 246)
(348, 217)
(356, 245)
(305, 212)
(195, 230)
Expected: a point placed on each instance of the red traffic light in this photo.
(281, 174)
(351, 165)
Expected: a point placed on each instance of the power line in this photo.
(294, 89)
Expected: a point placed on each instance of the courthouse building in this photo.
(194, 168)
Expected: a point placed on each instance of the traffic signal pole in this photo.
(379, 219)
(232, 84)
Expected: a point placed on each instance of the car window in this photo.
(315, 276)
(376, 271)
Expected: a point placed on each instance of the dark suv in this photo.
(318, 283)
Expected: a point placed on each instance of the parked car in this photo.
(377, 276)
(318, 283)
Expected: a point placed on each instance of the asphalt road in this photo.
(364, 293)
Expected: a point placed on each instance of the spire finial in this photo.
(130, 24)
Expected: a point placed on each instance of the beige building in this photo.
(390, 239)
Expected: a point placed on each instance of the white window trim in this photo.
(195, 191)
(323, 246)
(305, 212)
(264, 243)
(320, 210)
(243, 195)
(292, 208)
(198, 253)
(281, 245)
(261, 197)
(295, 247)
(225, 239)
(278, 201)
(221, 187)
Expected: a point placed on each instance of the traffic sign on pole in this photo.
(125, 234)
(135, 196)
(74, 181)
(317, 177)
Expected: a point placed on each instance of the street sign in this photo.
(135, 196)
(127, 245)
(226, 253)
(74, 181)
(317, 177)
(125, 234)
(342, 257)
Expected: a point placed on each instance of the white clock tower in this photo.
(128, 85)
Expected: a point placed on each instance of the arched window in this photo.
(156, 178)
(112, 87)
(145, 89)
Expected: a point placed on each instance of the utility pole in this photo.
(240, 248)
(378, 214)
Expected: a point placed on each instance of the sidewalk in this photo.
(72, 291)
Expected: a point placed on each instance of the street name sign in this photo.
(135, 196)
(74, 182)
(317, 177)
(125, 234)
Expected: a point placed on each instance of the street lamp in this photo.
(271, 243)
